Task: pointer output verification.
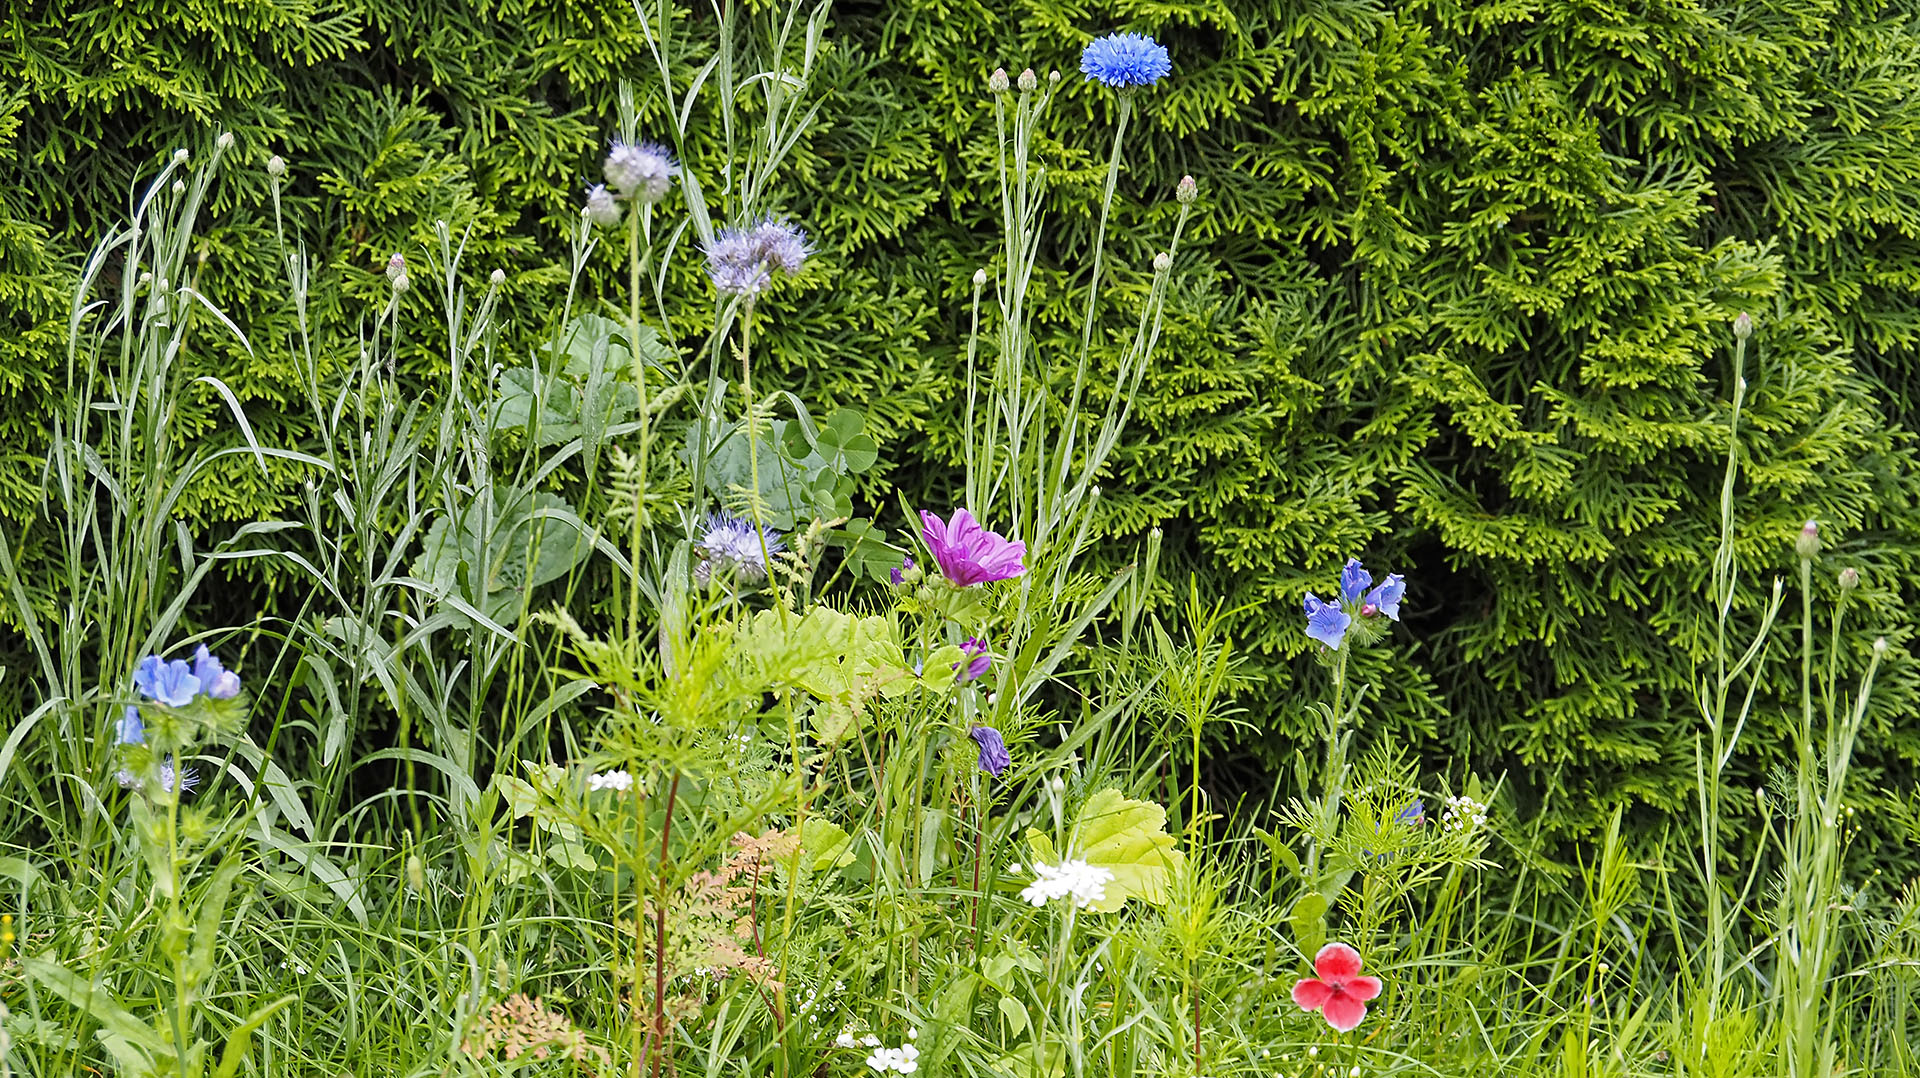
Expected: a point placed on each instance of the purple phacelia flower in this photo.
(215, 680)
(1326, 622)
(976, 660)
(730, 543)
(170, 683)
(994, 757)
(642, 171)
(741, 261)
(969, 554)
(601, 209)
(1125, 61)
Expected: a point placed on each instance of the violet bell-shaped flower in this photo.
(975, 660)
(994, 757)
(216, 680)
(969, 554)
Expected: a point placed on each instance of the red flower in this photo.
(1340, 994)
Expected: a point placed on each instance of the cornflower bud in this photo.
(1742, 326)
(225, 141)
(396, 266)
(180, 156)
(1162, 262)
(401, 284)
(997, 82)
(276, 166)
(1880, 646)
(980, 278)
(1186, 191)
(1028, 83)
(1053, 77)
(1849, 579)
(1808, 543)
(179, 187)
(497, 277)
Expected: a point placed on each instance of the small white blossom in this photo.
(617, 781)
(1084, 883)
(1464, 814)
(904, 1059)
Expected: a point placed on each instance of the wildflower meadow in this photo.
(602, 697)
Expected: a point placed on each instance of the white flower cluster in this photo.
(903, 1060)
(617, 781)
(1464, 814)
(811, 1000)
(1084, 883)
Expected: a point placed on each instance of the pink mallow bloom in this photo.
(968, 553)
(1339, 993)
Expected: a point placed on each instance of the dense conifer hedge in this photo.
(1456, 300)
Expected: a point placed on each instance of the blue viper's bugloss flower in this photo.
(1413, 815)
(1353, 581)
(130, 730)
(1326, 622)
(1125, 61)
(170, 683)
(731, 543)
(994, 757)
(216, 680)
(1385, 599)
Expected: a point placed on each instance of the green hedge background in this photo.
(1456, 298)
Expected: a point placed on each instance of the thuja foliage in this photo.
(1456, 292)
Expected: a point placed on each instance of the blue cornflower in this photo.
(1326, 622)
(215, 680)
(1125, 61)
(170, 683)
(994, 757)
(1354, 581)
(731, 543)
(130, 730)
(1385, 599)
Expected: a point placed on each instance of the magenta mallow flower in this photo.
(169, 683)
(1339, 993)
(994, 757)
(975, 660)
(968, 553)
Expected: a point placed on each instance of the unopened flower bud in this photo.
(497, 277)
(276, 166)
(225, 141)
(1053, 77)
(1808, 543)
(179, 187)
(1743, 325)
(396, 266)
(1849, 579)
(1028, 82)
(980, 278)
(1880, 646)
(1162, 262)
(416, 874)
(1186, 191)
(601, 209)
(997, 82)
(180, 156)
(401, 284)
